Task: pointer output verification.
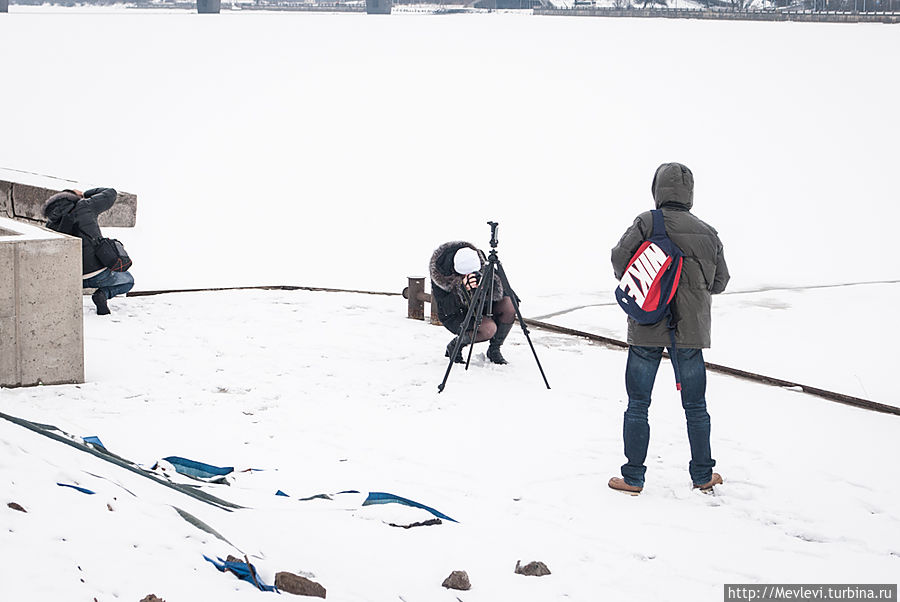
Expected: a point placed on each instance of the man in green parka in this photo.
(704, 273)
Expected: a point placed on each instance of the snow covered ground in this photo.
(339, 150)
(330, 392)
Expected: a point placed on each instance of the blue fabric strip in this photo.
(95, 441)
(192, 468)
(77, 488)
(377, 497)
(242, 571)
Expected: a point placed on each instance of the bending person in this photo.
(456, 269)
(74, 212)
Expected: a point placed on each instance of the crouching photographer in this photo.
(104, 263)
(456, 269)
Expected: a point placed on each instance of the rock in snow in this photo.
(457, 580)
(532, 569)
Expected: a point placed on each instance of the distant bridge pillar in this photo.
(378, 7)
(206, 7)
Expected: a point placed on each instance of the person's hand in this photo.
(470, 281)
(78, 193)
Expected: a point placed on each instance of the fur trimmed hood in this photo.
(58, 205)
(441, 265)
(445, 277)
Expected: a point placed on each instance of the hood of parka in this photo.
(673, 183)
(58, 205)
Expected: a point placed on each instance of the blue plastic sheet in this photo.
(377, 497)
(192, 468)
(243, 571)
(95, 441)
(77, 488)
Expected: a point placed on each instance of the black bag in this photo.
(112, 254)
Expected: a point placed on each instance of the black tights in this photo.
(504, 313)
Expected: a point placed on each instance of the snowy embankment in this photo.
(330, 392)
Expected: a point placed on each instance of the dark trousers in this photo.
(640, 374)
(503, 312)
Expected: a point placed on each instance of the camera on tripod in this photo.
(482, 298)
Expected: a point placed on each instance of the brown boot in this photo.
(708, 487)
(619, 484)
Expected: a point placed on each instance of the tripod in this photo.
(484, 295)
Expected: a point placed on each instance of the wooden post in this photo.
(414, 293)
(417, 297)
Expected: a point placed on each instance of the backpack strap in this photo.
(659, 229)
(659, 224)
(673, 356)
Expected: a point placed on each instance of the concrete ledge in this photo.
(41, 326)
(22, 196)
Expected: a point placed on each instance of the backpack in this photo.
(650, 280)
(651, 277)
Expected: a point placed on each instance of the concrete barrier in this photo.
(41, 326)
(22, 197)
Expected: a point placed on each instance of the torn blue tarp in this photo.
(377, 497)
(93, 440)
(77, 488)
(51, 432)
(242, 570)
(192, 468)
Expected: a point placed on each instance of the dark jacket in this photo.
(447, 289)
(84, 212)
(704, 272)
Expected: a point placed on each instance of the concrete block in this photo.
(41, 328)
(22, 198)
(5, 198)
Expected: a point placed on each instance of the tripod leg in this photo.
(512, 295)
(484, 287)
(476, 300)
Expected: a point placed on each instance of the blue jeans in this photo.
(111, 283)
(640, 374)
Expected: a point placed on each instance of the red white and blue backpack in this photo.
(650, 280)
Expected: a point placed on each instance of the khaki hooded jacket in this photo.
(704, 271)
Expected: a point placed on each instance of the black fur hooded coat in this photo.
(447, 289)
